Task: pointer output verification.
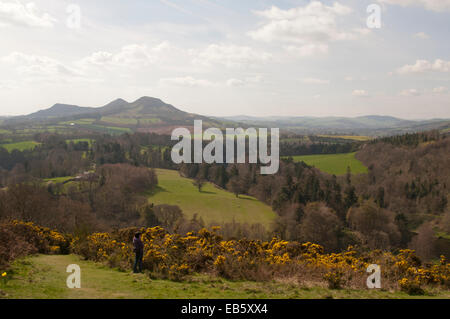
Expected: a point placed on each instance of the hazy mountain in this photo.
(370, 124)
(146, 114)
(59, 110)
(149, 114)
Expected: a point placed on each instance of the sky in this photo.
(229, 57)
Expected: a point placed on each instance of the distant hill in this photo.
(363, 125)
(150, 114)
(146, 114)
(59, 110)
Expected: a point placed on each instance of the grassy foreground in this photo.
(44, 277)
(333, 163)
(212, 204)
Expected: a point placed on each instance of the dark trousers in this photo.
(138, 262)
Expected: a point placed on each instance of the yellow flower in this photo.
(4, 274)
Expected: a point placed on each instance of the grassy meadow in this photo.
(333, 163)
(212, 204)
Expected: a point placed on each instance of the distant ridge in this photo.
(150, 114)
(59, 110)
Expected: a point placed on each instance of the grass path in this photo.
(44, 277)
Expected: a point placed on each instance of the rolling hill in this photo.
(146, 114)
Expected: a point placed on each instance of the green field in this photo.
(212, 204)
(44, 277)
(20, 146)
(113, 130)
(145, 121)
(80, 122)
(119, 120)
(333, 163)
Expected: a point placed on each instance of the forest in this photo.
(401, 203)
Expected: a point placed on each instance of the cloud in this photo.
(433, 5)
(440, 90)
(37, 67)
(235, 82)
(315, 81)
(132, 55)
(410, 92)
(308, 49)
(422, 35)
(307, 29)
(186, 81)
(422, 66)
(16, 13)
(229, 55)
(245, 82)
(360, 93)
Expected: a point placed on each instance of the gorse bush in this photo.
(19, 239)
(172, 256)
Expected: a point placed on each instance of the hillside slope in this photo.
(212, 204)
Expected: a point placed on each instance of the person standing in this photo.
(139, 253)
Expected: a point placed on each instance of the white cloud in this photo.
(440, 90)
(422, 66)
(187, 81)
(35, 67)
(229, 55)
(410, 92)
(8, 85)
(243, 82)
(16, 13)
(132, 55)
(422, 35)
(360, 93)
(308, 49)
(307, 29)
(315, 81)
(235, 82)
(433, 5)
